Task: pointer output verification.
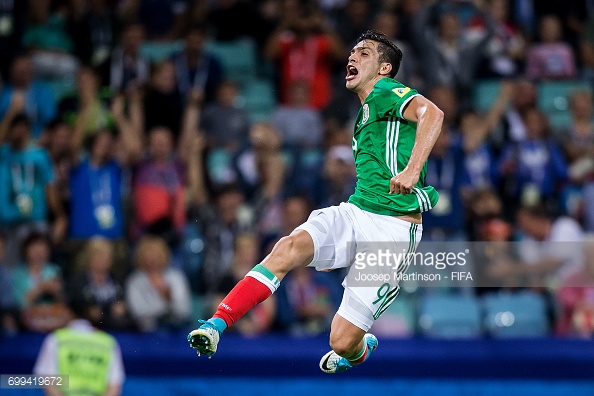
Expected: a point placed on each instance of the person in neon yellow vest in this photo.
(90, 357)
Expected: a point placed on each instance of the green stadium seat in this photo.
(238, 58)
(553, 99)
(519, 314)
(450, 316)
(259, 99)
(156, 51)
(485, 93)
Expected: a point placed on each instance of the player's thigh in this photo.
(332, 232)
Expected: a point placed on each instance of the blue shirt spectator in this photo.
(195, 68)
(24, 175)
(536, 166)
(39, 102)
(97, 209)
(447, 173)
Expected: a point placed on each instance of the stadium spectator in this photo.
(533, 169)
(195, 68)
(227, 20)
(506, 51)
(27, 194)
(337, 179)
(576, 297)
(164, 20)
(245, 256)
(14, 13)
(409, 72)
(261, 171)
(586, 49)
(94, 289)
(479, 158)
(91, 358)
(445, 97)
(158, 189)
(547, 251)
(38, 286)
(299, 124)
(57, 140)
(224, 123)
(127, 67)
(578, 139)
(157, 295)
(89, 106)
(163, 105)
(46, 37)
(352, 19)
(96, 183)
(94, 27)
(447, 173)
(220, 219)
(305, 48)
(449, 55)
(309, 307)
(296, 210)
(551, 59)
(25, 93)
(511, 127)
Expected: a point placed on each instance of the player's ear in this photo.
(385, 69)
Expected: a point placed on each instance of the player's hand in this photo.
(403, 182)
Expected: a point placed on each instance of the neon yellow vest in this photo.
(86, 358)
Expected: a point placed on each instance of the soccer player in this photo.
(395, 131)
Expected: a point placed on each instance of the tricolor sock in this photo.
(359, 357)
(257, 286)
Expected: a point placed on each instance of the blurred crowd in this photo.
(142, 187)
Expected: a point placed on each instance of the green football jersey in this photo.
(382, 143)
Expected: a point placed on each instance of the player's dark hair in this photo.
(387, 50)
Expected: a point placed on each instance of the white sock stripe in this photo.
(263, 279)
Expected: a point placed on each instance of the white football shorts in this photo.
(341, 234)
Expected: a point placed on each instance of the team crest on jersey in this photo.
(365, 113)
(401, 91)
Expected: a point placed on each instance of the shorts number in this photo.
(385, 296)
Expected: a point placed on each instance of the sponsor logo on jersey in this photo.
(401, 91)
(365, 113)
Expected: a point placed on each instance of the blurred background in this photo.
(153, 151)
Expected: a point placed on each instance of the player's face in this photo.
(363, 67)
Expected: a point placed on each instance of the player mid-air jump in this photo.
(395, 131)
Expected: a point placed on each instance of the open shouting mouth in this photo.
(351, 72)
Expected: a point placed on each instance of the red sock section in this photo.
(246, 294)
(362, 358)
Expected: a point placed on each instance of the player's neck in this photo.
(366, 90)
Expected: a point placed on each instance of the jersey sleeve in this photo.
(392, 98)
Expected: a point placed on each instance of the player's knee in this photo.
(344, 346)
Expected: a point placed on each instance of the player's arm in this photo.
(429, 119)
